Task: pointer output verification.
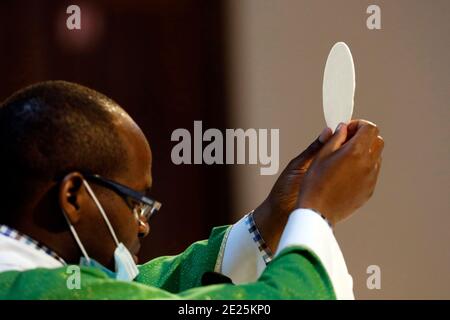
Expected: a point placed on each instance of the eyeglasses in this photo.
(141, 205)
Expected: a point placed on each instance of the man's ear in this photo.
(71, 195)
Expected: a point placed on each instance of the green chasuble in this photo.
(295, 273)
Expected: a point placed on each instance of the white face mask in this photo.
(125, 267)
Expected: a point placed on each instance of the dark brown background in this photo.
(163, 61)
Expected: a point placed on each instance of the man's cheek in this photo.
(122, 219)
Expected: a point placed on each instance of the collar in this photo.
(24, 243)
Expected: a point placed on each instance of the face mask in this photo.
(125, 268)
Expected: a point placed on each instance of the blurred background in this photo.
(259, 64)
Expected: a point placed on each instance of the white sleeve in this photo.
(308, 229)
(243, 261)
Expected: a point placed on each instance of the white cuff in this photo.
(308, 229)
(242, 260)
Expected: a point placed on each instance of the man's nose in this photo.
(143, 228)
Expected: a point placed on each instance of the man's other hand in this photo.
(344, 173)
(350, 159)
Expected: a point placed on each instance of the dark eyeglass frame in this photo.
(148, 206)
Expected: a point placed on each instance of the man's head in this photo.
(50, 135)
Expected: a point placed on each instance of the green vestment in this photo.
(295, 273)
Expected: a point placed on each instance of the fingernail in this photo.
(339, 127)
(324, 135)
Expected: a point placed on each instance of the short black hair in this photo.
(55, 127)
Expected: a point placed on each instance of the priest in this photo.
(75, 201)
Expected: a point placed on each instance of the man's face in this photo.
(92, 229)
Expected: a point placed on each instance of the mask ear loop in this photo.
(77, 239)
(100, 208)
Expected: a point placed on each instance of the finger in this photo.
(311, 151)
(366, 133)
(377, 147)
(325, 135)
(378, 165)
(354, 125)
(335, 141)
(373, 176)
(376, 171)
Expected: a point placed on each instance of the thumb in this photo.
(311, 151)
(335, 141)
